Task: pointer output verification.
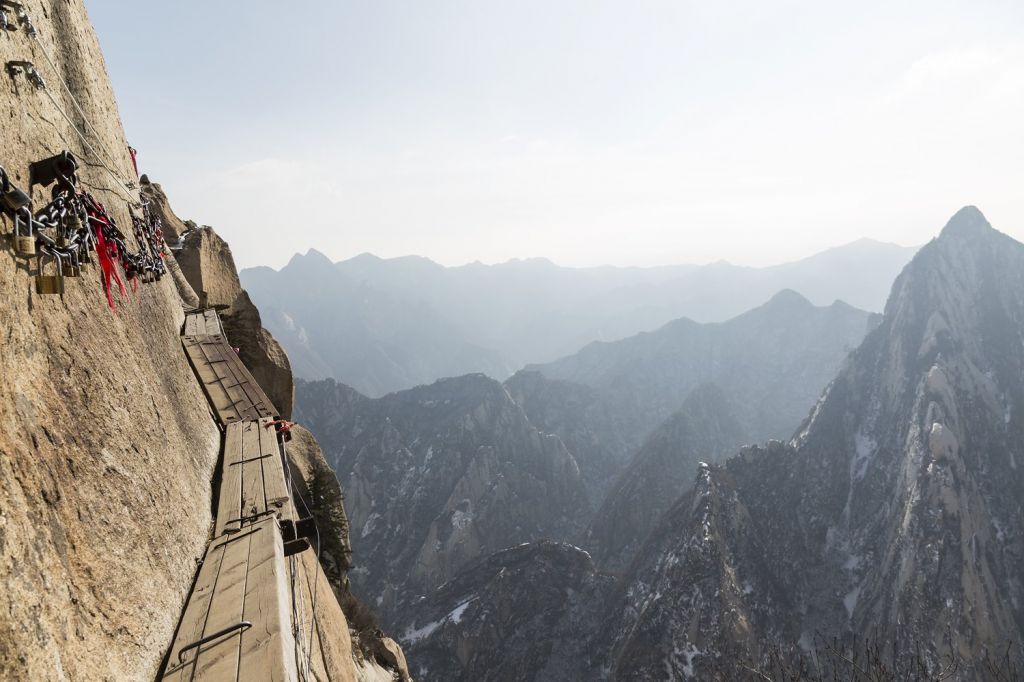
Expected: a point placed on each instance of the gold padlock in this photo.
(15, 199)
(71, 271)
(50, 284)
(24, 244)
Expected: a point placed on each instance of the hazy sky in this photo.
(641, 132)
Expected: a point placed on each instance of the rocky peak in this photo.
(967, 223)
(703, 430)
(788, 299)
(904, 483)
(312, 258)
(699, 595)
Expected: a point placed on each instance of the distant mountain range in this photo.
(440, 475)
(381, 325)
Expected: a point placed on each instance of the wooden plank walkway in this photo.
(231, 389)
(253, 482)
(203, 323)
(237, 622)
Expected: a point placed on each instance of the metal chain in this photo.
(74, 224)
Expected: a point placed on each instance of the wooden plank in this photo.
(239, 384)
(229, 504)
(228, 398)
(268, 647)
(230, 387)
(253, 499)
(252, 388)
(219, 356)
(203, 323)
(206, 369)
(257, 398)
(244, 577)
(213, 323)
(217, 660)
(274, 482)
(193, 620)
(203, 370)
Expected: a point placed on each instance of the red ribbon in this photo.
(108, 256)
(135, 163)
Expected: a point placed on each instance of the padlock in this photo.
(14, 200)
(76, 263)
(50, 284)
(24, 244)
(71, 269)
(72, 223)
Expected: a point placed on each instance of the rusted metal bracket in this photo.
(20, 14)
(16, 67)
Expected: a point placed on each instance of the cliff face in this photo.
(321, 494)
(893, 514)
(107, 447)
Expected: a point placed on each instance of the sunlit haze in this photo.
(635, 133)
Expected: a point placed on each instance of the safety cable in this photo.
(127, 192)
(298, 612)
(319, 549)
(34, 33)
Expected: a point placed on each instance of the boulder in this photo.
(207, 264)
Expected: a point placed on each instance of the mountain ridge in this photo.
(369, 256)
(498, 318)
